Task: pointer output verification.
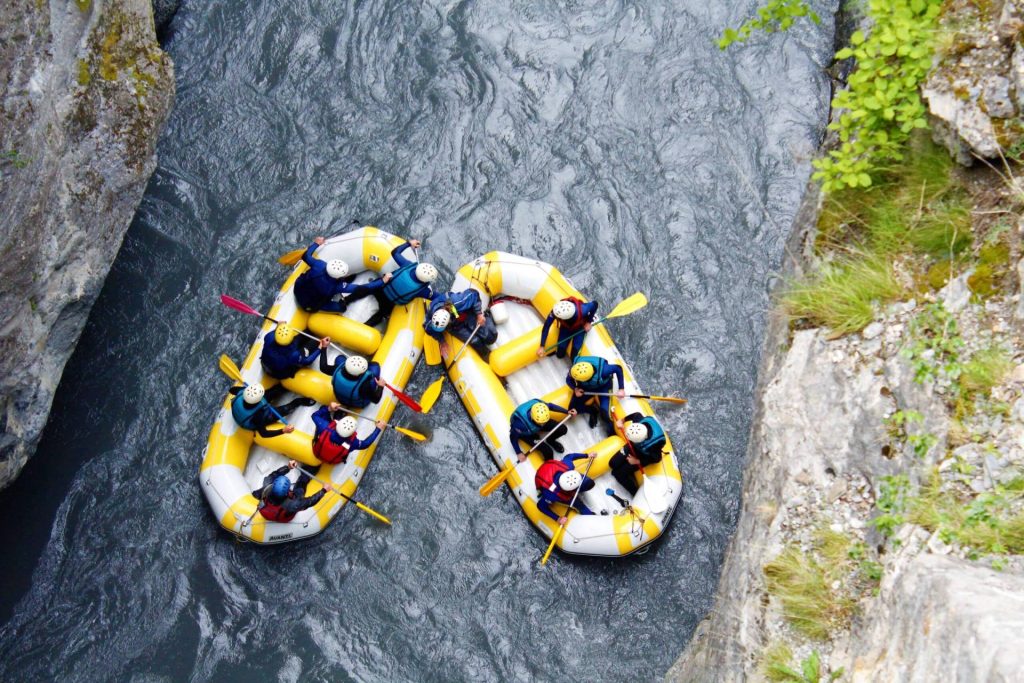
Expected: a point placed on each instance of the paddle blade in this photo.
(430, 396)
(407, 400)
(291, 258)
(431, 351)
(656, 494)
(630, 304)
(372, 513)
(234, 303)
(415, 436)
(492, 484)
(554, 540)
(228, 367)
(670, 399)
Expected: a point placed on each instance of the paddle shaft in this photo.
(561, 527)
(673, 399)
(465, 345)
(496, 481)
(361, 506)
(575, 334)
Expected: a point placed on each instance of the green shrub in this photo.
(882, 106)
(775, 15)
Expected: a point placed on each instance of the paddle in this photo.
(561, 527)
(365, 508)
(430, 396)
(416, 436)
(630, 304)
(497, 480)
(670, 399)
(655, 491)
(231, 302)
(293, 257)
(228, 367)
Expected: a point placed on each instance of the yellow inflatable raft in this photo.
(522, 292)
(236, 460)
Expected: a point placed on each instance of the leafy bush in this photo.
(775, 15)
(882, 106)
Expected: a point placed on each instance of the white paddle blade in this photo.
(655, 492)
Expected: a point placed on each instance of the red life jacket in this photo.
(546, 476)
(576, 323)
(276, 513)
(330, 452)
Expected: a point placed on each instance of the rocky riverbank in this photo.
(882, 529)
(86, 90)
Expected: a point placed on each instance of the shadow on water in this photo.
(613, 140)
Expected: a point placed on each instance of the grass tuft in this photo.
(985, 370)
(842, 295)
(808, 602)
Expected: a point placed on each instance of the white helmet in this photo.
(253, 393)
(337, 268)
(636, 432)
(564, 310)
(356, 365)
(346, 426)
(439, 321)
(426, 273)
(570, 481)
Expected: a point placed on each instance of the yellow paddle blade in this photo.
(554, 540)
(415, 436)
(494, 482)
(430, 396)
(372, 512)
(431, 350)
(291, 258)
(628, 305)
(228, 367)
(670, 399)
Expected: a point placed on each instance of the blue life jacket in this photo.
(654, 443)
(348, 389)
(403, 286)
(247, 415)
(522, 414)
(598, 382)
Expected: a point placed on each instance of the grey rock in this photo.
(87, 134)
(873, 330)
(998, 103)
(1017, 75)
(961, 125)
(1018, 312)
(956, 294)
(942, 619)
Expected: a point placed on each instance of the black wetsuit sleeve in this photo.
(267, 433)
(234, 390)
(634, 417)
(325, 364)
(300, 504)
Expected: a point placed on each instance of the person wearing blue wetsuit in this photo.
(335, 436)
(594, 374)
(316, 289)
(356, 382)
(283, 353)
(458, 313)
(530, 421)
(251, 409)
(645, 443)
(409, 281)
(575, 318)
(557, 482)
(280, 500)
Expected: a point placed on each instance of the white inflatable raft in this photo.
(526, 290)
(236, 460)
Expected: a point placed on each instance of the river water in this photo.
(612, 139)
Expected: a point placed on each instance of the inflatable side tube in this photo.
(360, 338)
(294, 446)
(518, 353)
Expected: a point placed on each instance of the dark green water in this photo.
(612, 139)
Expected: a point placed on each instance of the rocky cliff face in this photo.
(85, 92)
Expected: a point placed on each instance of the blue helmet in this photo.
(280, 488)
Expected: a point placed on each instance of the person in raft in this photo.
(645, 441)
(530, 421)
(252, 410)
(316, 289)
(280, 501)
(335, 438)
(356, 382)
(284, 352)
(459, 313)
(409, 281)
(557, 482)
(593, 374)
(573, 316)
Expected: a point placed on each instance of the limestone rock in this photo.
(956, 294)
(85, 96)
(942, 618)
(1019, 311)
(1017, 75)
